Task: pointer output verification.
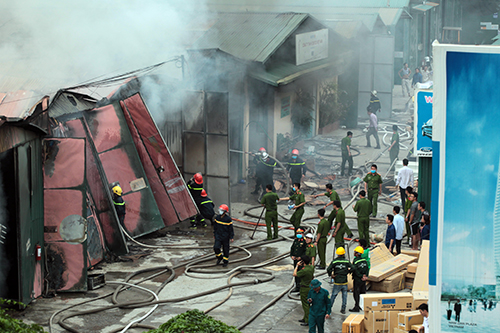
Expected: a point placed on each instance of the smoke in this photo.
(63, 42)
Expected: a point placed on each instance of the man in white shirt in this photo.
(424, 311)
(405, 179)
(399, 224)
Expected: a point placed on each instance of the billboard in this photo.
(423, 121)
(464, 267)
(311, 46)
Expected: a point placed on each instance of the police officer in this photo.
(311, 250)
(394, 147)
(363, 208)
(299, 203)
(373, 186)
(338, 270)
(360, 273)
(320, 307)
(264, 170)
(223, 234)
(321, 233)
(340, 225)
(270, 202)
(304, 271)
(332, 195)
(297, 250)
(345, 146)
(296, 167)
(119, 204)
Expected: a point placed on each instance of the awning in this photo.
(425, 7)
(284, 73)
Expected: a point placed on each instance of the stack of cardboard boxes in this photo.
(392, 312)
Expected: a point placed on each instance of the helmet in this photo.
(340, 251)
(117, 190)
(198, 178)
(295, 152)
(374, 92)
(359, 249)
(265, 154)
(224, 207)
(203, 193)
(261, 149)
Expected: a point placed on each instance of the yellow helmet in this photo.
(117, 190)
(359, 249)
(340, 251)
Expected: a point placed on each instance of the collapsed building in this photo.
(59, 159)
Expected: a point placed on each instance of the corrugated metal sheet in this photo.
(250, 36)
(299, 5)
(369, 19)
(347, 28)
(18, 104)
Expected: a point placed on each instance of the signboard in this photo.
(311, 46)
(464, 267)
(423, 121)
(285, 106)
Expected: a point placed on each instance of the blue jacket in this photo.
(390, 234)
(223, 228)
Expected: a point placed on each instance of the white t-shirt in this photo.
(426, 324)
(399, 224)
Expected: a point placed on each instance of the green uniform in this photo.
(394, 152)
(373, 182)
(333, 196)
(270, 201)
(306, 275)
(364, 208)
(323, 231)
(311, 251)
(296, 218)
(345, 155)
(339, 237)
(320, 307)
(298, 248)
(340, 268)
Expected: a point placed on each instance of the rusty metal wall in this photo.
(206, 141)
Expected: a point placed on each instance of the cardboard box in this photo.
(353, 324)
(421, 282)
(419, 297)
(382, 301)
(415, 327)
(410, 275)
(379, 254)
(409, 284)
(393, 283)
(381, 321)
(389, 267)
(413, 253)
(407, 319)
(398, 330)
(412, 268)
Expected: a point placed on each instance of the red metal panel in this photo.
(57, 205)
(60, 157)
(68, 271)
(146, 134)
(105, 128)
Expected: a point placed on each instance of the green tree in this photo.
(12, 325)
(194, 321)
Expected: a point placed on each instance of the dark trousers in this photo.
(448, 314)
(358, 288)
(457, 316)
(346, 158)
(372, 131)
(121, 218)
(402, 192)
(225, 248)
(398, 246)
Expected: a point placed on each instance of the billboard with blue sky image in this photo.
(466, 123)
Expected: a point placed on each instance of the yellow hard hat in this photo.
(359, 249)
(117, 190)
(340, 251)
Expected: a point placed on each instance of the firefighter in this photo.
(264, 171)
(296, 167)
(223, 234)
(119, 204)
(195, 185)
(206, 208)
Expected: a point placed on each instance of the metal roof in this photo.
(368, 19)
(250, 36)
(308, 6)
(347, 28)
(19, 104)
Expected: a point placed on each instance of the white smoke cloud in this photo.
(68, 42)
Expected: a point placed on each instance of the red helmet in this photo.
(224, 207)
(295, 152)
(203, 193)
(198, 178)
(262, 149)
